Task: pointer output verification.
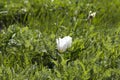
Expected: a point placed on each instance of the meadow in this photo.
(28, 33)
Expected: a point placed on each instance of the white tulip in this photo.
(63, 43)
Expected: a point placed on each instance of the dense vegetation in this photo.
(28, 33)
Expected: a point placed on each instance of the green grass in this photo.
(29, 29)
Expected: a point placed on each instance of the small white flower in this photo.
(63, 43)
(91, 15)
(24, 10)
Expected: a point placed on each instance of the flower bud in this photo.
(63, 43)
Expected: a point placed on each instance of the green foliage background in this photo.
(28, 33)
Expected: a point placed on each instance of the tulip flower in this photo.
(63, 43)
